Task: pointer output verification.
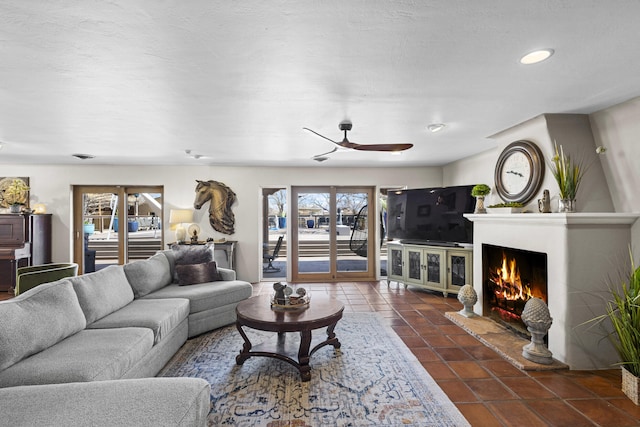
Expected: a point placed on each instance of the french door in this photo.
(333, 237)
(115, 224)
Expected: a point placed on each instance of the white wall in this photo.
(610, 185)
(51, 185)
(572, 131)
(618, 129)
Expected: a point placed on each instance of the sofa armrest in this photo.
(136, 402)
(227, 274)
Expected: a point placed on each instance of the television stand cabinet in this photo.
(438, 268)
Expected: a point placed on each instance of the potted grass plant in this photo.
(568, 173)
(623, 311)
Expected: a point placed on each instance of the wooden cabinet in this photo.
(24, 240)
(40, 238)
(436, 268)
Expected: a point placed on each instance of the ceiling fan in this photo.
(345, 143)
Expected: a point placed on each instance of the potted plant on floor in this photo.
(623, 310)
(479, 191)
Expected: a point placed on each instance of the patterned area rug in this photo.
(373, 379)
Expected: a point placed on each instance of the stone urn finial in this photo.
(467, 297)
(538, 321)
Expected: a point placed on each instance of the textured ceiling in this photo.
(140, 82)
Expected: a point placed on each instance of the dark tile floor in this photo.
(487, 389)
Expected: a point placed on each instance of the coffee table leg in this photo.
(246, 348)
(303, 355)
(331, 337)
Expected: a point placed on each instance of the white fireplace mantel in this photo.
(586, 218)
(584, 250)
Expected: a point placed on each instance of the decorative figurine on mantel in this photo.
(468, 297)
(544, 204)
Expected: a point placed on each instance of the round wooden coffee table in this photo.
(256, 313)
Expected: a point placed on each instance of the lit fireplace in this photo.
(510, 278)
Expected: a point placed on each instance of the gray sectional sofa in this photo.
(86, 340)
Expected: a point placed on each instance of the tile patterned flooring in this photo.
(487, 389)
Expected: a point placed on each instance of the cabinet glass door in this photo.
(459, 269)
(395, 259)
(414, 265)
(435, 268)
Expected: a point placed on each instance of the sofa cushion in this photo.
(160, 315)
(158, 402)
(89, 355)
(192, 274)
(188, 254)
(205, 296)
(148, 275)
(102, 292)
(38, 319)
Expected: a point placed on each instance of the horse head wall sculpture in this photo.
(221, 199)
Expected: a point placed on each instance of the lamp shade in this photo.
(180, 216)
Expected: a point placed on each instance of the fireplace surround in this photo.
(582, 249)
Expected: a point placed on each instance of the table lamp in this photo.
(177, 219)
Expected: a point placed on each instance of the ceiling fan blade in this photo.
(321, 136)
(345, 143)
(380, 147)
(324, 154)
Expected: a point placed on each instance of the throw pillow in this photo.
(192, 274)
(191, 254)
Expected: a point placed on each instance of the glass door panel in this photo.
(313, 232)
(274, 233)
(114, 224)
(100, 229)
(144, 210)
(352, 231)
(334, 236)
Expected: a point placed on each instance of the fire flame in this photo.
(509, 283)
(510, 291)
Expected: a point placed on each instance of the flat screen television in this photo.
(431, 215)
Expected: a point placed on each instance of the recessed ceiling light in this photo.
(83, 156)
(436, 127)
(536, 56)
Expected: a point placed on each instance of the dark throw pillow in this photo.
(191, 254)
(192, 274)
